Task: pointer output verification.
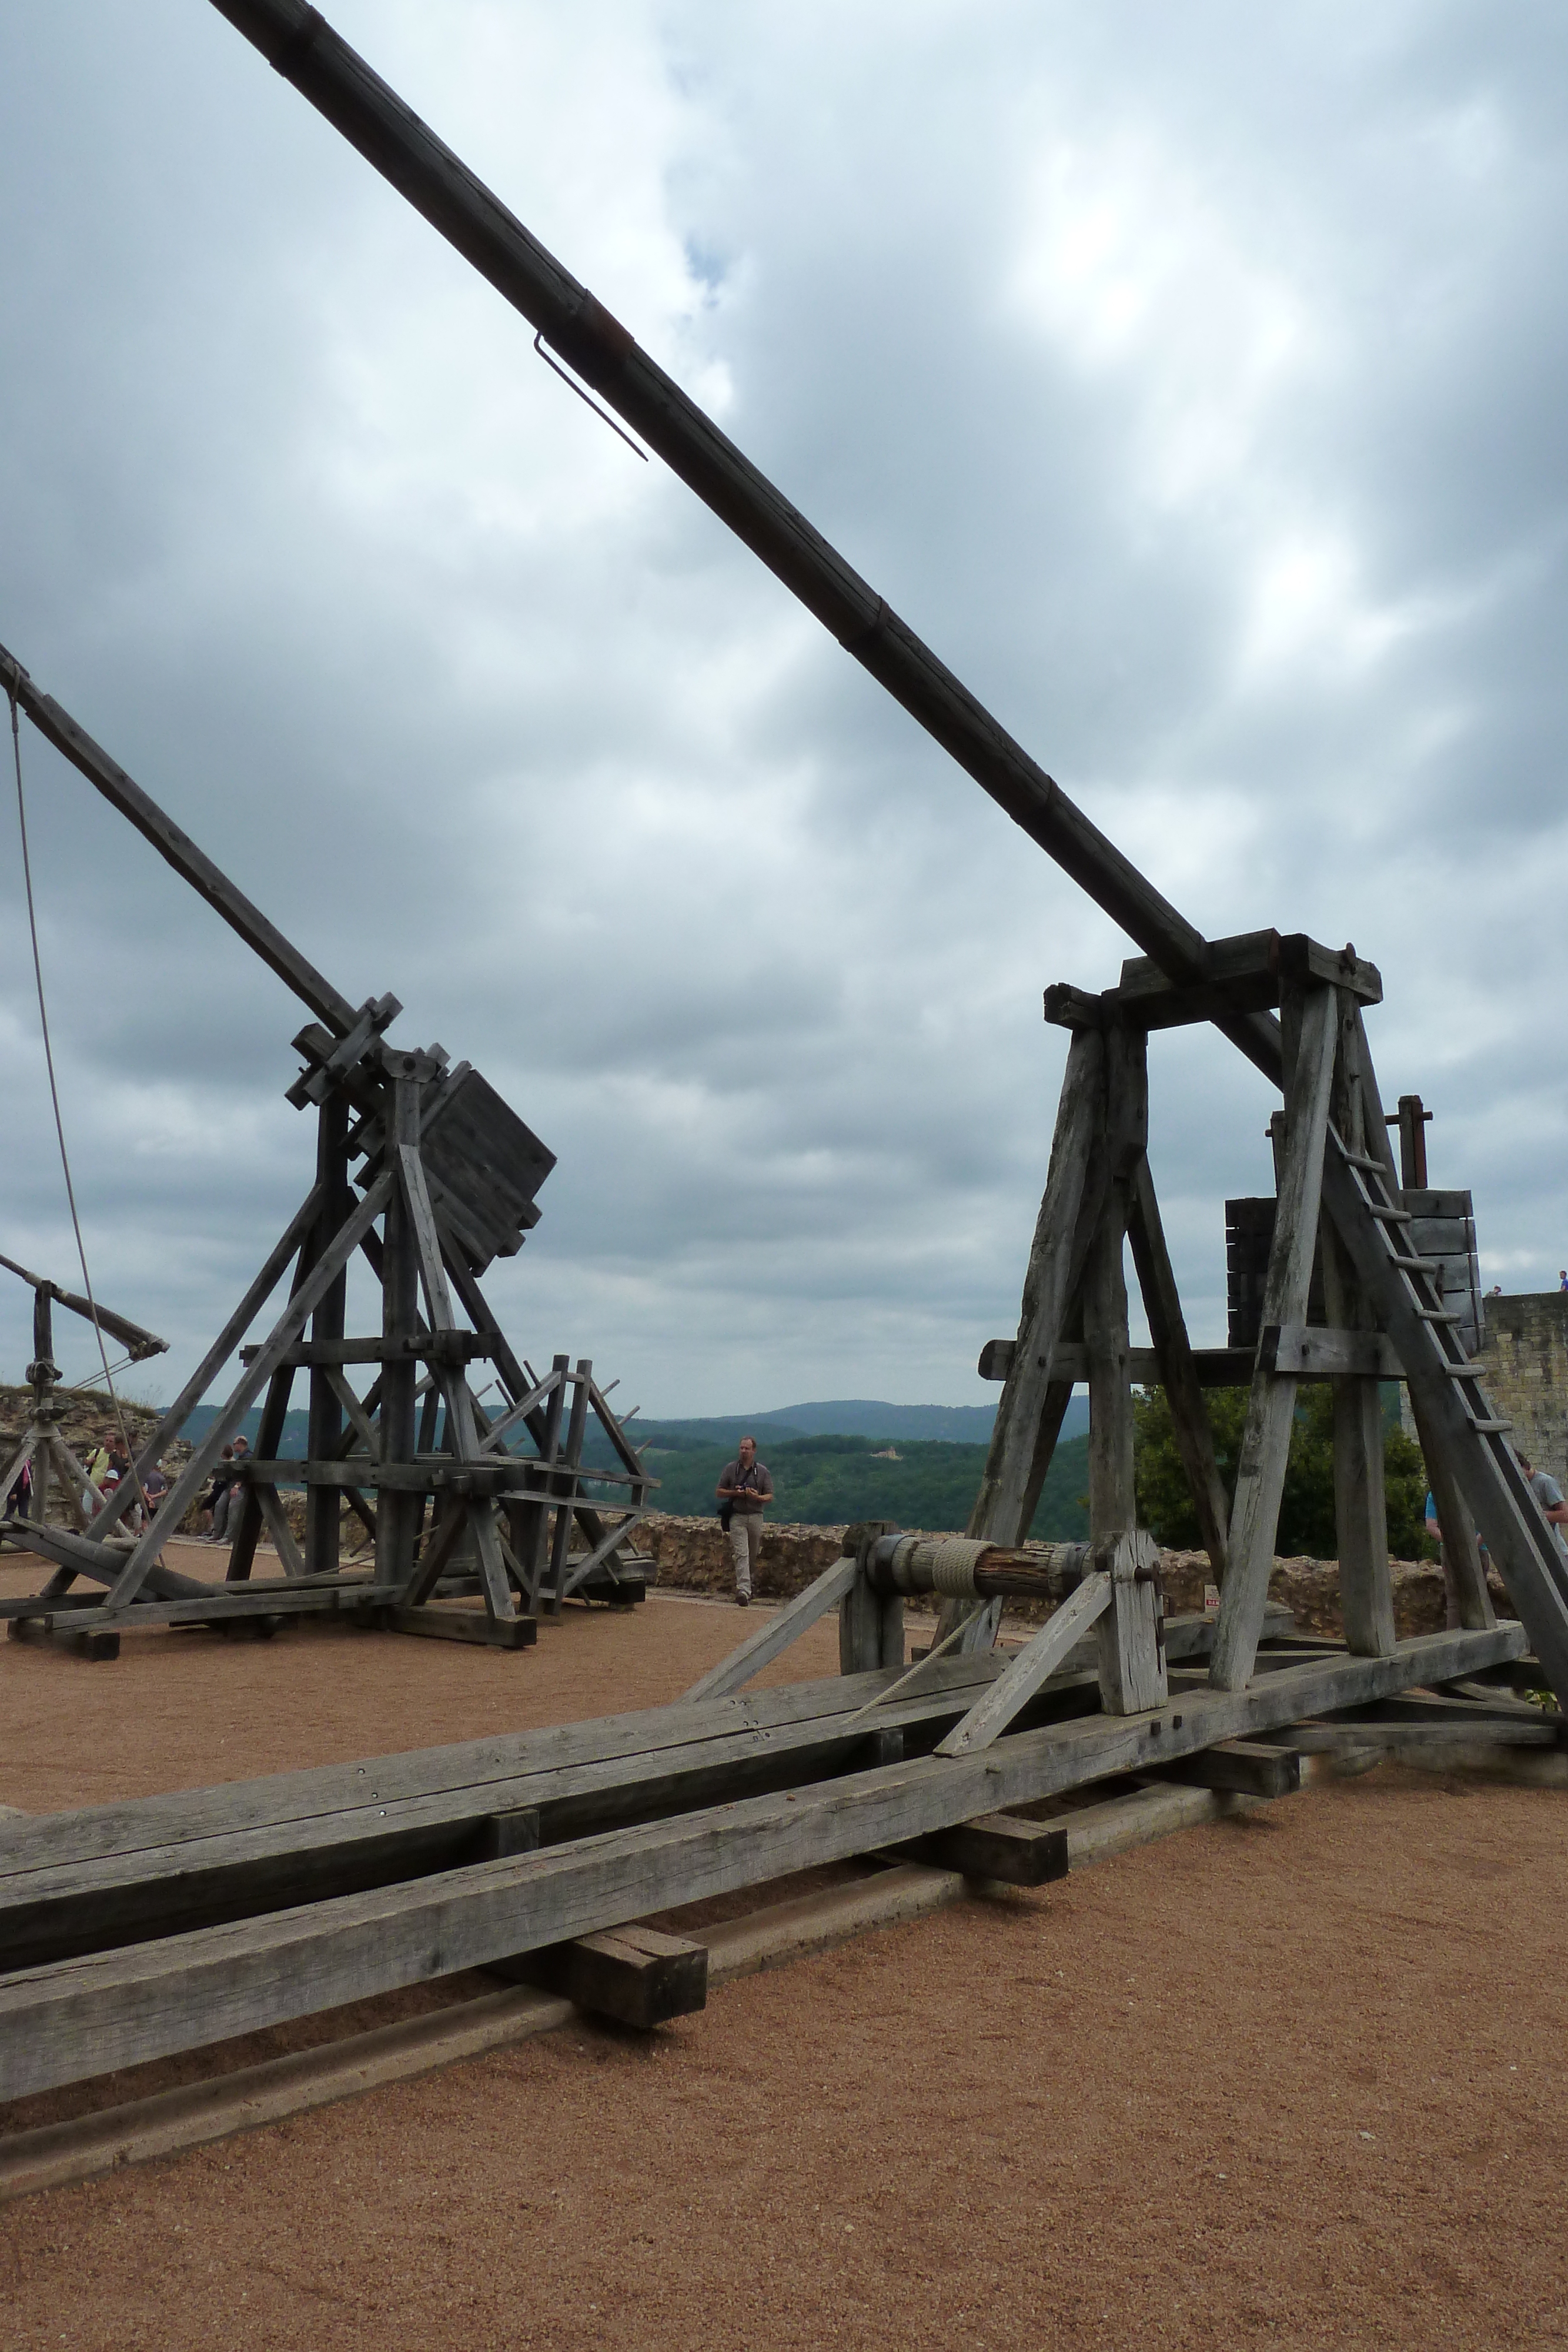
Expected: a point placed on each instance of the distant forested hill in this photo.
(819, 1479)
(825, 1481)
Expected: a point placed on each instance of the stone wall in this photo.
(1525, 1371)
(692, 1556)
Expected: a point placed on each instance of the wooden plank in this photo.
(601, 1557)
(219, 1354)
(1002, 1847)
(439, 1624)
(63, 1907)
(475, 1777)
(1176, 1371)
(56, 1633)
(1265, 1444)
(639, 1976)
(209, 881)
(1313, 1351)
(1029, 1668)
(194, 1476)
(1483, 1465)
(1361, 1518)
(91, 2015)
(754, 1717)
(278, 1528)
(1258, 957)
(1068, 1213)
(1245, 1765)
(1213, 1367)
(776, 1633)
(1464, 1572)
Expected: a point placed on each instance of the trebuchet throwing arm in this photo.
(302, 46)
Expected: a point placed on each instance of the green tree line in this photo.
(929, 1482)
(1306, 1510)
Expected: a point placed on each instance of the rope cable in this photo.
(59, 1123)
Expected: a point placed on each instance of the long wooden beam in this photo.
(192, 864)
(296, 40)
(86, 2016)
(81, 1882)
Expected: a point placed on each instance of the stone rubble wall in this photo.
(692, 1556)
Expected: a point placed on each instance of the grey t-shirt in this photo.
(1548, 1494)
(755, 1482)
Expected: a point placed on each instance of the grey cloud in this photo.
(481, 710)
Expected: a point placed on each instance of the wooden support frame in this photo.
(117, 2007)
(379, 1442)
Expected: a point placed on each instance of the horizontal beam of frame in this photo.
(88, 2016)
(156, 1867)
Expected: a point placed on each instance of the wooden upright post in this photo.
(323, 1503)
(398, 1513)
(1178, 1375)
(1131, 1668)
(1030, 1416)
(1361, 1518)
(1469, 1604)
(1310, 1024)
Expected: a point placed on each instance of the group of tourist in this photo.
(110, 1466)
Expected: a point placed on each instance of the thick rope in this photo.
(55, 1099)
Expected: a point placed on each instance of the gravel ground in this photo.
(1291, 2080)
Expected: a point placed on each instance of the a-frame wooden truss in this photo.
(1338, 1189)
(453, 1509)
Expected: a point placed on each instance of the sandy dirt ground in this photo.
(1291, 2081)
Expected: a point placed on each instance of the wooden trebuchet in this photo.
(1337, 1189)
(421, 1170)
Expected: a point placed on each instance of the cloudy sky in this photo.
(1191, 378)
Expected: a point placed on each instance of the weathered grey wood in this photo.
(353, 1411)
(64, 1907)
(871, 1614)
(1029, 1668)
(177, 848)
(1256, 956)
(1480, 1460)
(1464, 1572)
(1361, 1518)
(576, 1429)
(194, 1476)
(1266, 1441)
(327, 1386)
(602, 1554)
(278, 1528)
(1129, 1635)
(1068, 1214)
(1177, 1372)
(393, 140)
(639, 1976)
(771, 1638)
(90, 2015)
(1313, 1351)
(51, 1633)
(1002, 1847)
(726, 1727)
(400, 1513)
(1244, 1765)
(220, 1353)
(439, 1624)
(104, 1563)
